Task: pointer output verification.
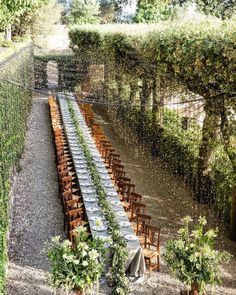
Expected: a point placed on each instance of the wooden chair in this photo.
(152, 247)
(124, 190)
(77, 213)
(134, 197)
(140, 227)
(137, 208)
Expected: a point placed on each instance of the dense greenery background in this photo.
(199, 57)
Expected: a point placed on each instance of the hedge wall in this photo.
(146, 63)
(15, 101)
(68, 75)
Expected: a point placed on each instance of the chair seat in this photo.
(71, 173)
(76, 197)
(125, 204)
(141, 239)
(75, 190)
(149, 253)
(129, 215)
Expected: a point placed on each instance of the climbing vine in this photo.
(15, 101)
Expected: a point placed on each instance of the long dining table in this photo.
(135, 266)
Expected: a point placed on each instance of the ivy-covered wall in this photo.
(16, 82)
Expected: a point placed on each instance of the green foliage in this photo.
(15, 102)
(83, 12)
(39, 19)
(118, 245)
(12, 10)
(152, 11)
(192, 258)
(79, 266)
(202, 55)
(218, 8)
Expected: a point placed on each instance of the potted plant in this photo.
(76, 267)
(192, 258)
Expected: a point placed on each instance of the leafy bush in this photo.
(192, 258)
(79, 266)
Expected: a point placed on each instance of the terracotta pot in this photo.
(78, 292)
(194, 290)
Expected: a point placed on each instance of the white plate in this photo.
(108, 185)
(105, 177)
(131, 237)
(117, 203)
(120, 213)
(112, 194)
(79, 162)
(88, 191)
(124, 224)
(102, 171)
(79, 166)
(79, 158)
(99, 228)
(90, 200)
(92, 209)
(83, 171)
(83, 177)
(85, 183)
(95, 218)
(100, 165)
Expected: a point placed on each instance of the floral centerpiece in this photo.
(76, 266)
(192, 258)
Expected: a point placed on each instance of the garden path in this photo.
(168, 201)
(36, 210)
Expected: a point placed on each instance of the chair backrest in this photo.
(139, 208)
(117, 166)
(76, 214)
(62, 167)
(152, 237)
(67, 195)
(142, 221)
(122, 179)
(134, 197)
(75, 223)
(116, 161)
(125, 189)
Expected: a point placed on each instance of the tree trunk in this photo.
(154, 117)
(8, 33)
(145, 94)
(230, 149)
(210, 133)
(233, 217)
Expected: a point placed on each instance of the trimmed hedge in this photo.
(202, 55)
(66, 66)
(199, 57)
(15, 101)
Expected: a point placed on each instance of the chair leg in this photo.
(149, 267)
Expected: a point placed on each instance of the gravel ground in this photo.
(36, 211)
(169, 200)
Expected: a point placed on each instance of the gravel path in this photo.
(36, 211)
(168, 201)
